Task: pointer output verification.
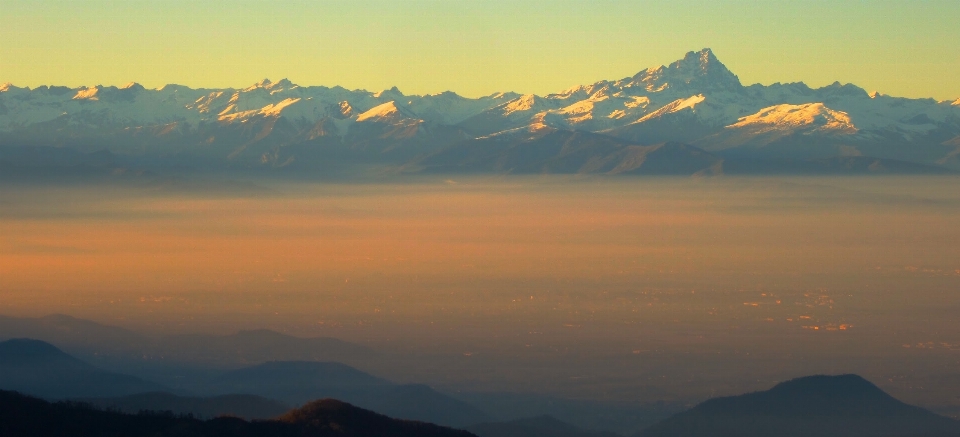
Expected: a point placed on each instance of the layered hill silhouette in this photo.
(110, 344)
(297, 382)
(22, 415)
(286, 128)
(824, 406)
(40, 369)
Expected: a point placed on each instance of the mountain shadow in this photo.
(243, 406)
(22, 416)
(541, 426)
(40, 369)
(823, 406)
(568, 152)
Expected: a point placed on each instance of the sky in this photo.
(901, 48)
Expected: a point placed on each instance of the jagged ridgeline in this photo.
(692, 116)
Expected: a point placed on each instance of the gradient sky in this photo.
(904, 48)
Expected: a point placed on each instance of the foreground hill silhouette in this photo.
(22, 415)
(823, 406)
(540, 426)
(239, 405)
(40, 369)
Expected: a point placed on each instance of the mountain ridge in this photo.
(284, 126)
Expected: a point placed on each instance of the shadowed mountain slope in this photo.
(824, 406)
(561, 151)
(542, 426)
(40, 369)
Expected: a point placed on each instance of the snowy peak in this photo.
(525, 102)
(699, 70)
(695, 100)
(387, 112)
(272, 110)
(391, 94)
(792, 117)
(268, 85)
(343, 110)
(85, 93)
(674, 106)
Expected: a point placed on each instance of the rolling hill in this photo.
(845, 405)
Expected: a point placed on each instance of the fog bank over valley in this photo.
(609, 289)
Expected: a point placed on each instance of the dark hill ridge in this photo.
(540, 426)
(330, 416)
(824, 406)
(238, 405)
(23, 416)
(40, 369)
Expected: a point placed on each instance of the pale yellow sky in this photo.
(477, 47)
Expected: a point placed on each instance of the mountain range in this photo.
(692, 116)
(202, 369)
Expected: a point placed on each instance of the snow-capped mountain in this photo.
(695, 107)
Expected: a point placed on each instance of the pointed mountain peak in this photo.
(84, 93)
(702, 59)
(697, 70)
(6, 86)
(849, 89)
(263, 84)
(525, 102)
(279, 85)
(133, 86)
(392, 93)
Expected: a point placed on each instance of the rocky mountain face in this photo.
(695, 101)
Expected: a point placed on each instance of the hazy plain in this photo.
(618, 289)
